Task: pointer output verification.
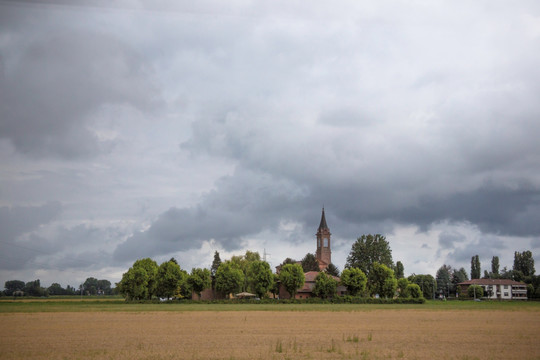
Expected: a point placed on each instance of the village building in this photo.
(497, 289)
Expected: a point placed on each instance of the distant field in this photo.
(111, 329)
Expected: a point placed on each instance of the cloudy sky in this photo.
(172, 128)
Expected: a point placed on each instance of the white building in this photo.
(498, 289)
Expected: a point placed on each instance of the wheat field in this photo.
(377, 334)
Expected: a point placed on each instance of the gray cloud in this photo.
(393, 117)
(17, 220)
(56, 85)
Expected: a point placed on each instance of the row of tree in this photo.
(369, 271)
(91, 286)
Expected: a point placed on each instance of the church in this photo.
(323, 255)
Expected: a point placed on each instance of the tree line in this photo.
(91, 286)
(369, 272)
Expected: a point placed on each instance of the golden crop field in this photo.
(368, 334)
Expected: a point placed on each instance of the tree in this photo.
(475, 267)
(13, 285)
(354, 280)
(243, 262)
(443, 279)
(367, 250)
(151, 268)
(260, 277)
(310, 263)
(288, 261)
(414, 291)
(426, 282)
(292, 277)
(91, 285)
(275, 285)
(402, 288)
(134, 284)
(524, 262)
(325, 286)
(382, 281)
(332, 269)
(459, 276)
(229, 277)
(33, 288)
(399, 270)
(213, 269)
(104, 286)
(495, 265)
(475, 291)
(199, 280)
(56, 289)
(169, 280)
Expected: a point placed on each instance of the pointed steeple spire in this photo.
(323, 221)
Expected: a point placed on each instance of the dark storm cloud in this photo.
(58, 82)
(17, 220)
(486, 247)
(79, 247)
(243, 204)
(494, 209)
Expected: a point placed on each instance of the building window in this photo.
(506, 286)
(325, 242)
(505, 294)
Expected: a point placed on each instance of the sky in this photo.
(161, 129)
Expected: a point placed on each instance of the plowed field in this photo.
(377, 334)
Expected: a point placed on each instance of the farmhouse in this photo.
(324, 258)
(497, 289)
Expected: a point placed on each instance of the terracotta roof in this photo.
(491, 282)
(311, 275)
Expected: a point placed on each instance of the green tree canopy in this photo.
(151, 268)
(475, 267)
(325, 286)
(243, 263)
(402, 288)
(414, 291)
(200, 279)
(13, 285)
(475, 291)
(56, 289)
(495, 265)
(260, 277)
(400, 271)
(91, 285)
(213, 269)
(354, 280)
(367, 250)
(459, 276)
(524, 262)
(382, 281)
(444, 280)
(332, 269)
(426, 282)
(229, 277)
(134, 284)
(169, 279)
(310, 263)
(292, 277)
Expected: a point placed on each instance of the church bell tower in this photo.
(323, 254)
